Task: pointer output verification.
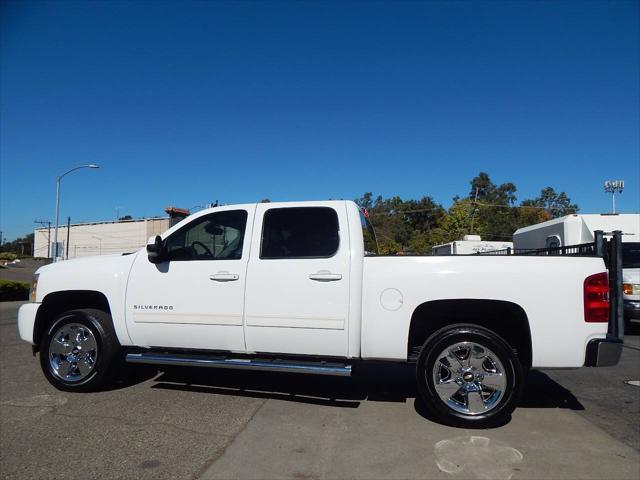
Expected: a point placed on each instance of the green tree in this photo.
(492, 211)
(424, 214)
(19, 246)
(485, 191)
(555, 204)
(489, 210)
(457, 222)
(403, 225)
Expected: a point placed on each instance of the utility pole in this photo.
(48, 224)
(473, 214)
(613, 187)
(68, 231)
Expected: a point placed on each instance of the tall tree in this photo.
(555, 204)
(488, 192)
(492, 208)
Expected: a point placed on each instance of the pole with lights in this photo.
(613, 187)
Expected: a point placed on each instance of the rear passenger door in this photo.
(297, 296)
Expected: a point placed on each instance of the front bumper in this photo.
(603, 352)
(26, 321)
(631, 309)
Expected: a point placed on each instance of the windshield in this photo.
(631, 255)
(369, 234)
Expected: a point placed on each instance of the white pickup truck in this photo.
(297, 287)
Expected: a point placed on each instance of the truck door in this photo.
(195, 298)
(297, 297)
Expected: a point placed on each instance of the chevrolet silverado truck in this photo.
(298, 287)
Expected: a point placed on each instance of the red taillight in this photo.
(596, 298)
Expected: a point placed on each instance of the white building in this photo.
(98, 238)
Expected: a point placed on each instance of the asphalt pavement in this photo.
(204, 424)
(21, 271)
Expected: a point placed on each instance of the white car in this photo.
(292, 287)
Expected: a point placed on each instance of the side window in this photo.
(217, 236)
(300, 232)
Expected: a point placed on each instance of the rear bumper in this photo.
(26, 321)
(631, 309)
(603, 352)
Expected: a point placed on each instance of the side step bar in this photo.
(266, 365)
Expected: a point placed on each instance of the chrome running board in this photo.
(265, 365)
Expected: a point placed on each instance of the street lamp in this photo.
(89, 165)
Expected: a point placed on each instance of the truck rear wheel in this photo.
(79, 350)
(469, 376)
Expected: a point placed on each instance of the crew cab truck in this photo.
(297, 287)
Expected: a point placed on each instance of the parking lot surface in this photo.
(21, 271)
(214, 424)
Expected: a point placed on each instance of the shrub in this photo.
(10, 290)
(8, 256)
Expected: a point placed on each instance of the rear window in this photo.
(300, 232)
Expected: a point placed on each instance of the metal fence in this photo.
(585, 249)
(591, 249)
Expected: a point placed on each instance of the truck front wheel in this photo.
(79, 350)
(469, 376)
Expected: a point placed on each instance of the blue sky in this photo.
(184, 103)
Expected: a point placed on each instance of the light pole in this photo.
(55, 235)
(613, 187)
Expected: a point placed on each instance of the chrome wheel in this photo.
(73, 352)
(469, 378)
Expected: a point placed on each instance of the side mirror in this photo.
(155, 249)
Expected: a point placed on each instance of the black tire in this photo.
(495, 408)
(94, 368)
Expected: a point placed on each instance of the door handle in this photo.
(224, 277)
(325, 276)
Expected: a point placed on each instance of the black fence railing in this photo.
(591, 249)
(585, 249)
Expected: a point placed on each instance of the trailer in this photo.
(470, 244)
(576, 229)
